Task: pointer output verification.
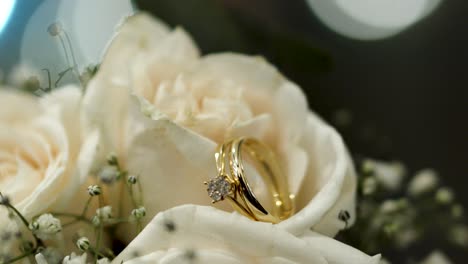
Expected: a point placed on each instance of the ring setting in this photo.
(231, 182)
(219, 188)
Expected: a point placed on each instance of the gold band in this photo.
(233, 185)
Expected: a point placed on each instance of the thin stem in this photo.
(99, 231)
(140, 189)
(25, 222)
(85, 209)
(75, 216)
(75, 64)
(22, 256)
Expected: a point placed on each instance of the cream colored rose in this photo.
(163, 109)
(43, 163)
(200, 234)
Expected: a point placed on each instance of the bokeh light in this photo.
(6, 9)
(371, 19)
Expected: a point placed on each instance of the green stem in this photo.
(140, 189)
(75, 216)
(25, 222)
(85, 210)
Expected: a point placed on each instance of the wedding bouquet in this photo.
(113, 171)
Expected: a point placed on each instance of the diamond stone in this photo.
(218, 188)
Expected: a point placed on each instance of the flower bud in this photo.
(112, 160)
(108, 174)
(4, 200)
(94, 190)
(55, 29)
(96, 221)
(139, 213)
(104, 213)
(132, 179)
(83, 243)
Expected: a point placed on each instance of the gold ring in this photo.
(232, 185)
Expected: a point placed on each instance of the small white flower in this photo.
(94, 190)
(83, 243)
(424, 181)
(369, 186)
(388, 174)
(392, 206)
(46, 227)
(444, 195)
(49, 255)
(436, 257)
(104, 213)
(75, 259)
(139, 212)
(9, 234)
(103, 261)
(108, 174)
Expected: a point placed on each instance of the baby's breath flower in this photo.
(132, 179)
(103, 261)
(83, 243)
(392, 206)
(104, 213)
(94, 190)
(423, 182)
(96, 221)
(75, 259)
(388, 174)
(46, 226)
(108, 174)
(139, 212)
(444, 195)
(369, 186)
(49, 255)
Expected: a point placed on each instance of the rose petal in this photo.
(347, 254)
(329, 186)
(138, 33)
(203, 230)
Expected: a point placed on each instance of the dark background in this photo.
(407, 95)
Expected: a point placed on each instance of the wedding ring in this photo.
(231, 182)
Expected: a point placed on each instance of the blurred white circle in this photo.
(58, 27)
(6, 9)
(371, 19)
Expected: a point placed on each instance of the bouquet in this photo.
(123, 166)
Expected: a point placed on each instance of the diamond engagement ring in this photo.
(232, 185)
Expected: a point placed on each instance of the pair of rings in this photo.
(231, 183)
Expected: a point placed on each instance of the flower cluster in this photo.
(125, 160)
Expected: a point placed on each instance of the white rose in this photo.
(163, 109)
(42, 162)
(205, 235)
